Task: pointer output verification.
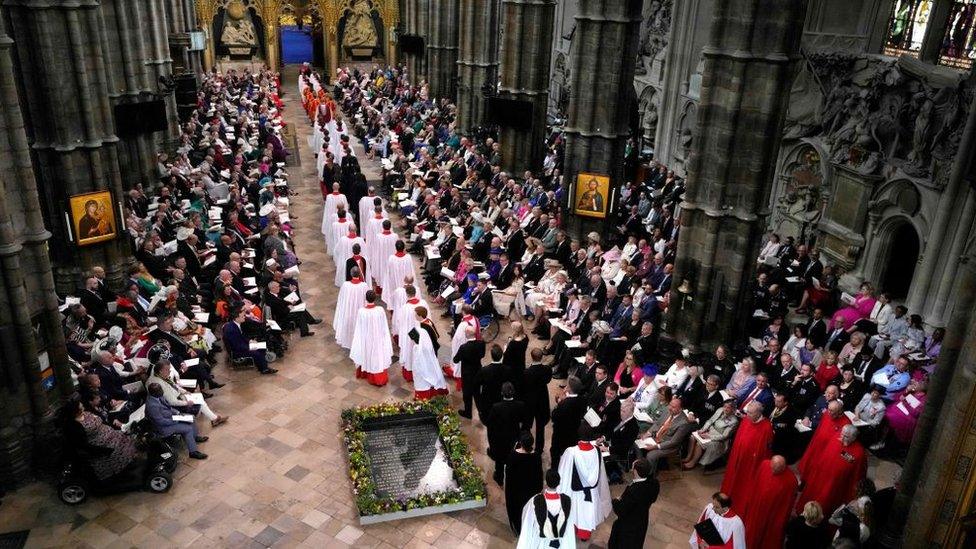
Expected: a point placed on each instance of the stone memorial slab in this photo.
(401, 450)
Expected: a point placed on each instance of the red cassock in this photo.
(833, 482)
(751, 446)
(829, 429)
(766, 508)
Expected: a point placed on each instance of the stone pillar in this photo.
(598, 119)
(477, 60)
(157, 60)
(127, 77)
(192, 24)
(442, 51)
(748, 67)
(27, 297)
(416, 18)
(72, 129)
(525, 52)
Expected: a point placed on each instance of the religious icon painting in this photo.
(92, 217)
(592, 195)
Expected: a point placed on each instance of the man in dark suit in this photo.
(601, 378)
(587, 371)
(817, 329)
(535, 395)
(489, 383)
(481, 301)
(758, 390)
(566, 417)
(239, 346)
(505, 421)
(837, 338)
(92, 299)
(357, 260)
(633, 508)
(469, 355)
(505, 275)
(281, 310)
(609, 410)
(780, 379)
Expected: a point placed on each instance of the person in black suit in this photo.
(281, 310)
(783, 417)
(817, 328)
(780, 379)
(609, 410)
(535, 395)
(481, 301)
(469, 355)
(633, 509)
(357, 261)
(601, 378)
(837, 338)
(505, 421)
(523, 478)
(505, 275)
(489, 384)
(562, 251)
(92, 299)
(566, 417)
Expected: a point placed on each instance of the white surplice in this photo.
(395, 300)
(343, 252)
(532, 536)
(373, 225)
(427, 373)
(352, 296)
(381, 247)
(340, 228)
(405, 318)
(366, 207)
(398, 267)
(372, 348)
(332, 203)
(729, 525)
(588, 464)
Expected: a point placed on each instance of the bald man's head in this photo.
(777, 464)
(835, 409)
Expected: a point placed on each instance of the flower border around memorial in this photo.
(471, 485)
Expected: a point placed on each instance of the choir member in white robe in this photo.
(428, 379)
(372, 348)
(320, 157)
(367, 203)
(379, 251)
(399, 296)
(340, 228)
(728, 524)
(584, 479)
(403, 320)
(352, 296)
(467, 319)
(398, 267)
(344, 252)
(373, 225)
(548, 517)
(333, 203)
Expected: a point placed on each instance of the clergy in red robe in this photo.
(766, 508)
(831, 422)
(752, 445)
(840, 467)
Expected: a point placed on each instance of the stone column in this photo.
(598, 120)
(442, 51)
(72, 129)
(416, 20)
(192, 24)
(525, 52)
(748, 66)
(128, 82)
(27, 297)
(158, 62)
(477, 60)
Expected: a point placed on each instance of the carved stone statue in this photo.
(655, 32)
(360, 29)
(238, 28)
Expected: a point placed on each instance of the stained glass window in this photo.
(906, 30)
(959, 42)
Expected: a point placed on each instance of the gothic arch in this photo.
(891, 252)
(649, 109)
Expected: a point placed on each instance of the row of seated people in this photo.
(216, 271)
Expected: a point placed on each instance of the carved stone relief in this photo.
(876, 115)
(655, 31)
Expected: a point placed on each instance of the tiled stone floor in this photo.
(277, 471)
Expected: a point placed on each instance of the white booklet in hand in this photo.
(292, 298)
(592, 417)
(257, 346)
(188, 383)
(195, 398)
(297, 308)
(184, 418)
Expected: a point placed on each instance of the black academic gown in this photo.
(633, 509)
(523, 479)
(566, 418)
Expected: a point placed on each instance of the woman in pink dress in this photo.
(902, 415)
(861, 308)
